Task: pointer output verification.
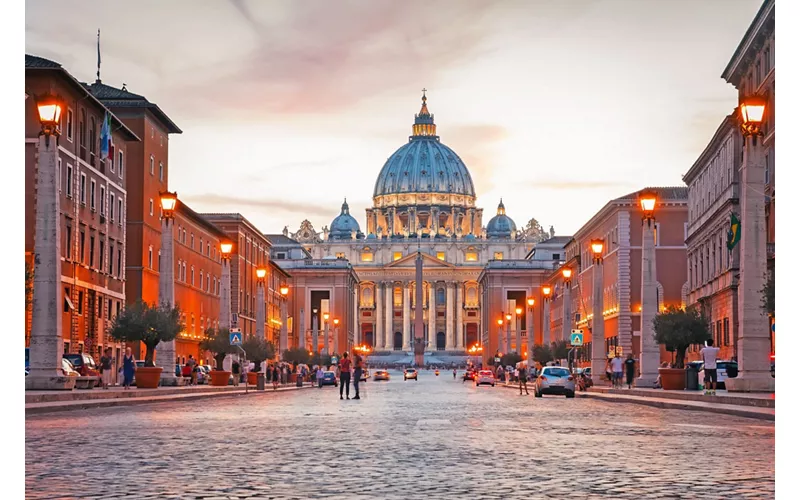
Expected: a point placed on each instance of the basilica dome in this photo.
(501, 225)
(344, 226)
(424, 166)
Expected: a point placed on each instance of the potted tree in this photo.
(560, 349)
(258, 350)
(218, 342)
(150, 325)
(677, 329)
(542, 354)
(295, 357)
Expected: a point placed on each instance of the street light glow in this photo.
(597, 247)
(500, 321)
(518, 311)
(647, 200)
(508, 316)
(546, 290)
(531, 301)
(752, 110)
(50, 108)
(226, 248)
(325, 316)
(285, 290)
(261, 273)
(168, 202)
(567, 273)
(335, 321)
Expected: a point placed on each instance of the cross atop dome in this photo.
(423, 121)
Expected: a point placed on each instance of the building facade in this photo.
(93, 203)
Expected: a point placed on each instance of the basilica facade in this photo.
(423, 202)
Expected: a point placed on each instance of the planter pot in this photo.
(252, 378)
(292, 378)
(148, 377)
(672, 379)
(220, 378)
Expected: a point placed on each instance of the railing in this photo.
(522, 264)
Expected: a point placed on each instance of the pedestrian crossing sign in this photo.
(576, 338)
(236, 337)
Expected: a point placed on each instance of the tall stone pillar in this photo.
(325, 349)
(518, 331)
(531, 333)
(389, 315)
(406, 317)
(314, 332)
(432, 317)
(753, 344)
(650, 354)
(566, 325)
(261, 312)
(377, 334)
(356, 319)
(434, 221)
(284, 326)
(224, 293)
(165, 352)
(546, 322)
(301, 342)
(449, 316)
(459, 316)
(46, 341)
(598, 321)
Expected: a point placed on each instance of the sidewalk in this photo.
(758, 399)
(38, 402)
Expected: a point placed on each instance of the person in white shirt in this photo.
(709, 357)
(616, 369)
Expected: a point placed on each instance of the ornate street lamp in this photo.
(546, 291)
(166, 283)
(315, 330)
(49, 108)
(284, 339)
(566, 304)
(261, 307)
(518, 348)
(567, 274)
(531, 333)
(598, 327)
(225, 249)
(169, 200)
(649, 350)
(597, 249)
(751, 115)
(647, 201)
(336, 336)
(325, 317)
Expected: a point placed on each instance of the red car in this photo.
(469, 375)
(84, 364)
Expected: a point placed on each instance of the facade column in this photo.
(325, 340)
(566, 300)
(649, 355)
(406, 316)
(460, 316)
(388, 311)
(224, 294)
(301, 341)
(46, 341)
(284, 325)
(546, 322)
(432, 316)
(518, 337)
(529, 328)
(261, 309)
(598, 321)
(165, 352)
(753, 344)
(377, 334)
(314, 331)
(449, 316)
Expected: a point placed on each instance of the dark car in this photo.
(329, 378)
(469, 375)
(84, 364)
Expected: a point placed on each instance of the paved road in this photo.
(434, 438)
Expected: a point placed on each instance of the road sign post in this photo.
(235, 337)
(576, 338)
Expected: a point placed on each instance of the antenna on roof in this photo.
(98, 56)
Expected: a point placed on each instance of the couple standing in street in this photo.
(344, 375)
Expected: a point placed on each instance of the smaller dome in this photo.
(501, 225)
(371, 236)
(344, 225)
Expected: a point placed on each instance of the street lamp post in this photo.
(753, 344)
(165, 353)
(508, 332)
(531, 337)
(261, 308)
(546, 291)
(225, 249)
(284, 319)
(518, 348)
(315, 331)
(598, 321)
(649, 351)
(325, 317)
(336, 336)
(566, 326)
(499, 333)
(46, 341)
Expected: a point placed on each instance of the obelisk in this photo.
(419, 321)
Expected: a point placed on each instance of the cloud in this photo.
(577, 185)
(216, 202)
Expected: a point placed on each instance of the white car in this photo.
(722, 373)
(554, 380)
(485, 377)
(410, 373)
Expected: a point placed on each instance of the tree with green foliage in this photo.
(258, 350)
(296, 355)
(510, 359)
(150, 325)
(320, 359)
(677, 329)
(218, 342)
(560, 349)
(542, 354)
(768, 294)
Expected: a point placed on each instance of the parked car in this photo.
(83, 364)
(554, 380)
(725, 369)
(329, 378)
(485, 377)
(381, 375)
(410, 373)
(67, 369)
(469, 375)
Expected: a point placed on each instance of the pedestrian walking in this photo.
(275, 377)
(106, 361)
(454, 373)
(320, 375)
(523, 379)
(616, 371)
(128, 368)
(344, 376)
(630, 365)
(709, 355)
(358, 364)
(235, 370)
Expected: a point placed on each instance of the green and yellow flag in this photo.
(735, 232)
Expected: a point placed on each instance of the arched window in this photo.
(440, 296)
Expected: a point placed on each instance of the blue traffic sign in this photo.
(334, 360)
(235, 338)
(576, 338)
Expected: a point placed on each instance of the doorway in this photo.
(440, 341)
(472, 335)
(398, 341)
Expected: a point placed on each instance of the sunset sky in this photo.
(287, 107)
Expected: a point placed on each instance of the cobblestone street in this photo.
(435, 438)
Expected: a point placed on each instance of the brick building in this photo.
(619, 225)
(93, 203)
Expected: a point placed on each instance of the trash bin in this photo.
(299, 381)
(692, 374)
(260, 381)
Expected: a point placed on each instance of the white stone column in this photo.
(598, 323)
(459, 316)
(566, 325)
(356, 319)
(46, 342)
(261, 312)
(301, 340)
(284, 325)
(389, 315)
(406, 317)
(753, 340)
(165, 351)
(529, 330)
(546, 322)
(449, 316)
(314, 332)
(432, 317)
(377, 334)
(224, 294)
(326, 336)
(649, 356)
(518, 330)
